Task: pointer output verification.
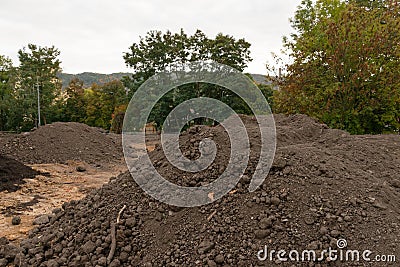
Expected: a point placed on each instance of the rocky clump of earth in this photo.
(324, 186)
(12, 173)
(62, 141)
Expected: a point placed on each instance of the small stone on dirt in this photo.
(89, 247)
(324, 230)
(275, 201)
(130, 222)
(379, 205)
(266, 223)
(41, 220)
(335, 233)
(219, 259)
(260, 234)
(80, 169)
(205, 246)
(52, 263)
(309, 220)
(16, 220)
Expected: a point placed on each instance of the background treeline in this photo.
(89, 78)
(103, 105)
(344, 65)
(343, 69)
(38, 71)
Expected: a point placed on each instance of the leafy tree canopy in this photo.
(38, 67)
(345, 65)
(158, 51)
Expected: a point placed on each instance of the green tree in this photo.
(225, 49)
(6, 93)
(75, 102)
(268, 92)
(369, 3)
(101, 102)
(113, 94)
(158, 51)
(93, 106)
(118, 119)
(345, 65)
(38, 66)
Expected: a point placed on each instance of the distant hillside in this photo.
(90, 78)
(261, 79)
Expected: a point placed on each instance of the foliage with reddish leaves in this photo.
(345, 68)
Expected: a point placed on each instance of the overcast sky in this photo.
(92, 35)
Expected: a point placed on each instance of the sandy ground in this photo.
(44, 193)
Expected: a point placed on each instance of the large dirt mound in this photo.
(59, 142)
(324, 185)
(12, 173)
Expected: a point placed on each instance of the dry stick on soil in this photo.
(120, 212)
(211, 215)
(113, 239)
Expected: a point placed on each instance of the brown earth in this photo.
(60, 142)
(12, 173)
(324, 185)
(64, 161)
(44, 193)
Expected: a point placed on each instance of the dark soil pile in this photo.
(60, 142)
(324, 185)
(12, 173)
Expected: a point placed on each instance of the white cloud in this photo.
(92, 35)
